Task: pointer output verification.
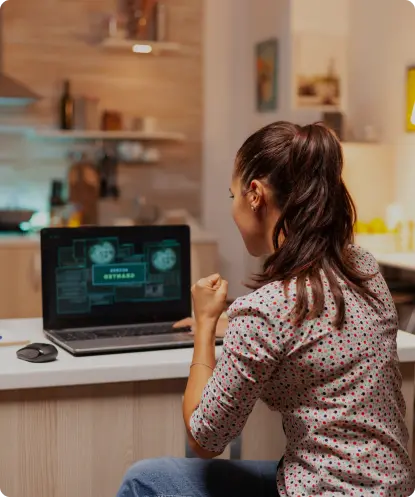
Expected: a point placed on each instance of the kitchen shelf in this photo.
(17, 129)
(108, 135)
(145, 47)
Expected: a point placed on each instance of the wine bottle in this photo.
(66, 108)
(57, 204)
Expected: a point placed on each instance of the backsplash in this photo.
(26, 170)
(48, 41)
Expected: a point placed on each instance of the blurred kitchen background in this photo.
(131, 112)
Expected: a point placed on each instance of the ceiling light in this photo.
(142, 49)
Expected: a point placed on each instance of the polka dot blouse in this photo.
(338, 391)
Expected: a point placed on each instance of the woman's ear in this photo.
(256, 195)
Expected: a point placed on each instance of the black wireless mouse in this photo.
(38, 352)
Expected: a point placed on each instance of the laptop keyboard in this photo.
(156, 329)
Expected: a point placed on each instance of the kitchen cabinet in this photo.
(83, 438)
(20, 281)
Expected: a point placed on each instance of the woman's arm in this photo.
(218, 403)
(201, 371)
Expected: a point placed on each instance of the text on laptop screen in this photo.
(125, 275)
(106, 271)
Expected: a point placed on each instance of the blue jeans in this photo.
(169, 477)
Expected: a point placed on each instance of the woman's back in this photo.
(316, 340)
(339, 392)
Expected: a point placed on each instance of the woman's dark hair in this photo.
(302, 165)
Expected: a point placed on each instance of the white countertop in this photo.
(399, 260)
(70, 370)
(133, 366)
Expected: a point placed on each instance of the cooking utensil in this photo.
(16, 217)
(11, 219)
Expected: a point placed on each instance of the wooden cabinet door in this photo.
(29, 286)
(20, 282)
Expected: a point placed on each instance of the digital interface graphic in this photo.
(105, 272)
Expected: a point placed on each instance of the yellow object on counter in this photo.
(360, 227)
(377, 226)
(376, 236)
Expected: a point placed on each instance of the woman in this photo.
(315, 341)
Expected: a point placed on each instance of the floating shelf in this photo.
(23, 130)
(107, 135)
(141, 46)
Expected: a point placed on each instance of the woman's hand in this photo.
(221, 326)
(184, 323)
(209, 299)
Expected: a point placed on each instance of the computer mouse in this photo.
(38, 352)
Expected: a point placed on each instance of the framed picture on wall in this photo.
(266, 64)
(410, 99)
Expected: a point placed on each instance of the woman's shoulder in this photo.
(275, 298)
(363, 260)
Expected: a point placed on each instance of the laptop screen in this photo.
(98, 276)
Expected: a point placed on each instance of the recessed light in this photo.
(142, 48)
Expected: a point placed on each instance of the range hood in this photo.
(12, 92)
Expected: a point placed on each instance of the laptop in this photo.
(116, 289)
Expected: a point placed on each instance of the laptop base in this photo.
(126, 344)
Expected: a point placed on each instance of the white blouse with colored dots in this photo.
(338, 391)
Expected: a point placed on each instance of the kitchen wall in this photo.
(228, 89)
(369, 168)
(230, 99)
(49, 40)
(271, 19)
(230, 113)
(381, 47)
(321, 19)
(284, 19)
